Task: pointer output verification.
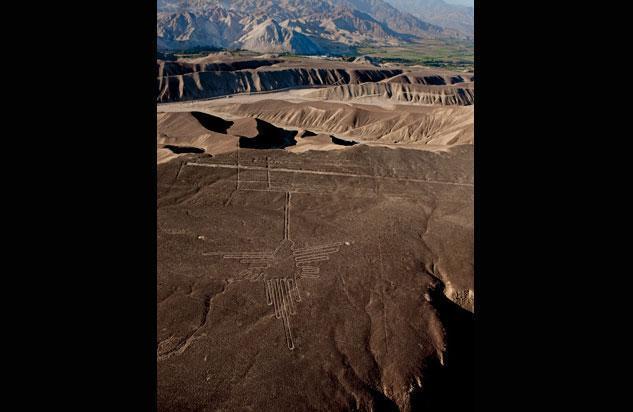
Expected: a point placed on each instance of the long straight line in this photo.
(268, 171)
(237, 186)
(318, 172)
(382, 295)
(287, 217)
(315, 252)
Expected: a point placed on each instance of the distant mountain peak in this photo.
(441, 13)
(297, 26)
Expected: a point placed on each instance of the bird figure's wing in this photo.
(256, 261)
(307, 258)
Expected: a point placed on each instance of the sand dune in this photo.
(181, 133)
(429, 125)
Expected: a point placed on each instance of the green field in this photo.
(450, 54)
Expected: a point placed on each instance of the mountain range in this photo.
(295, 26)
(440, 13)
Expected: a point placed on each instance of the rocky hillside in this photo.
(217, 75)
(269, 36)
(207, 84)
(439, 12)
(295, 26)
(401, 93)
(429, 125)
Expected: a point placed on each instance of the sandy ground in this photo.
(312, 281)
(218, 107)
(293, 95)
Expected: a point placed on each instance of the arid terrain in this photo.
(315, 235)
(306, 27)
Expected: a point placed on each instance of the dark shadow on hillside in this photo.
(183, 149)
(434, 80)
(342, 142)
(212, 123)
(382, 403)
(451, 384)
(269, 137)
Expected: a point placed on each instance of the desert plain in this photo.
(315, 234)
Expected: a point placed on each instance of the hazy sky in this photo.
(464, 2)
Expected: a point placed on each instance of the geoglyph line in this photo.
(282, 292)
(324, 173)
(312, 259)
(314, 248)
(305, 258)
(295, 288)
(279, 295)
(268, 170)
(290, 303)
(382, 297)
(287, 217)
